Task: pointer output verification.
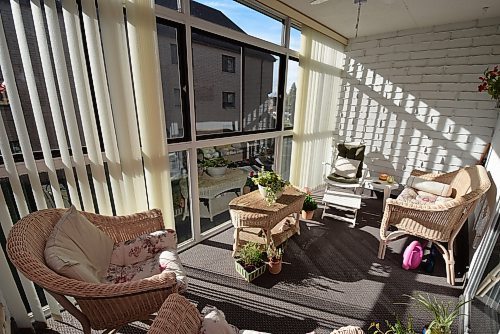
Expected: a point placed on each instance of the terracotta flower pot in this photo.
(307, 214)
(274, 266)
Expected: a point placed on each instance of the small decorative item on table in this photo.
(215, 166)
(383, 177)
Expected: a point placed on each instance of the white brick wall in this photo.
(412, 96)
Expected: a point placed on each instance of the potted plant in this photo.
(397, 328)
(271, 185)
(490, 83)
(215, 166)
(308, 207)
(250, 263)
(444, 314)
(275, 256)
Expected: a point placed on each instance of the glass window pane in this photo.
(216, 191)
(217, 93)
(260, 90)
(180, 194)
(295, 37)
(286, 157)
(236, 16)
(170, 78)
(290, 93)
(172, 4)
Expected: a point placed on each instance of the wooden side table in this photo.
(386, 187)
(254, 220)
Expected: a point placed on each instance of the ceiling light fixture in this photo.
(358, 2)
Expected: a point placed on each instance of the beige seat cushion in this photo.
(346, 167)
(78, 249)
(433, 187)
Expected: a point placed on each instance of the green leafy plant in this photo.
(214, 162)
(251, 255)
(272, 182)
(444, 313)
(275, 253)
(309, 203)
(490, 83)
(397, 328)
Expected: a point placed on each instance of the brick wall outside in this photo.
(412, 97)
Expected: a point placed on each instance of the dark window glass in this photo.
(172, 4)
(173, 53)
(286, 157)
(180, 194)
(228, 64)
(260, 91)
(290, 93)
(15, 147)
(210, 82)
(176, 112)
(228, 100)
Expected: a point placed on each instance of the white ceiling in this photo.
(381, 16)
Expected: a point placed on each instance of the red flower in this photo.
(2, 87)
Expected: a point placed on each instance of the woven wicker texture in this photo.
(176, 316)
(437, 222)
(251, 210)
(103, 305)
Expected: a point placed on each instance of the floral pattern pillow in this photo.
(421, 197)
(143, 247)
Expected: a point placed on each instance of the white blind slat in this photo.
(67, 103)
(54, 103)
(82, 88)
(115, 49)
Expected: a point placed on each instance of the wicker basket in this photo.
(252, 275)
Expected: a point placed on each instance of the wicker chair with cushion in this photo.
(100, 305)
(439, 221)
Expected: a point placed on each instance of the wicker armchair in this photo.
(176, 316)
(101, 305)
(439, 222)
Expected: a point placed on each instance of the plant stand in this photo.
(252, 275)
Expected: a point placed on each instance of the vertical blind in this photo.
(320, 63)
(86, 107)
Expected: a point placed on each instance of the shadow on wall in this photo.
(402, 131)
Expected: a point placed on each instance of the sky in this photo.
(258, 25)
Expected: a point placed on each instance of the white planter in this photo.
(216, 171)
(263, 192)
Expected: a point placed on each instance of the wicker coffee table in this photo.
(255, 220)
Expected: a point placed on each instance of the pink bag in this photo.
(412, 255)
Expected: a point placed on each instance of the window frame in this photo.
(225, 68)
(226, 104)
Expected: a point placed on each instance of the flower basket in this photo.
(216, 171)
(249, 276)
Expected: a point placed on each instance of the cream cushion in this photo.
(346, 167)
(78, 249)
(433, 187)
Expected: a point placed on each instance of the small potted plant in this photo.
(444, 314)
(215, 166)
(271, 185)
(308, 207)
(396, 328)
(250, 263)
(275, 256)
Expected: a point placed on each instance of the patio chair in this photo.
(440, 221)
(342, 174)
(100, 305)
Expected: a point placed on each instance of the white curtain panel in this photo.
(316, 106)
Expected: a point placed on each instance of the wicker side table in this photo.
(255, 220)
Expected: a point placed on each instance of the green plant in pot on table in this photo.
(215, 166)
(308, 207)
(271, 185)
(250, 263)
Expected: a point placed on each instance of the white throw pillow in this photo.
(215, 323)
(78, 249)
(346, 167)
(433, 187)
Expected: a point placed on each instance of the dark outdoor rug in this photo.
(331, 278)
